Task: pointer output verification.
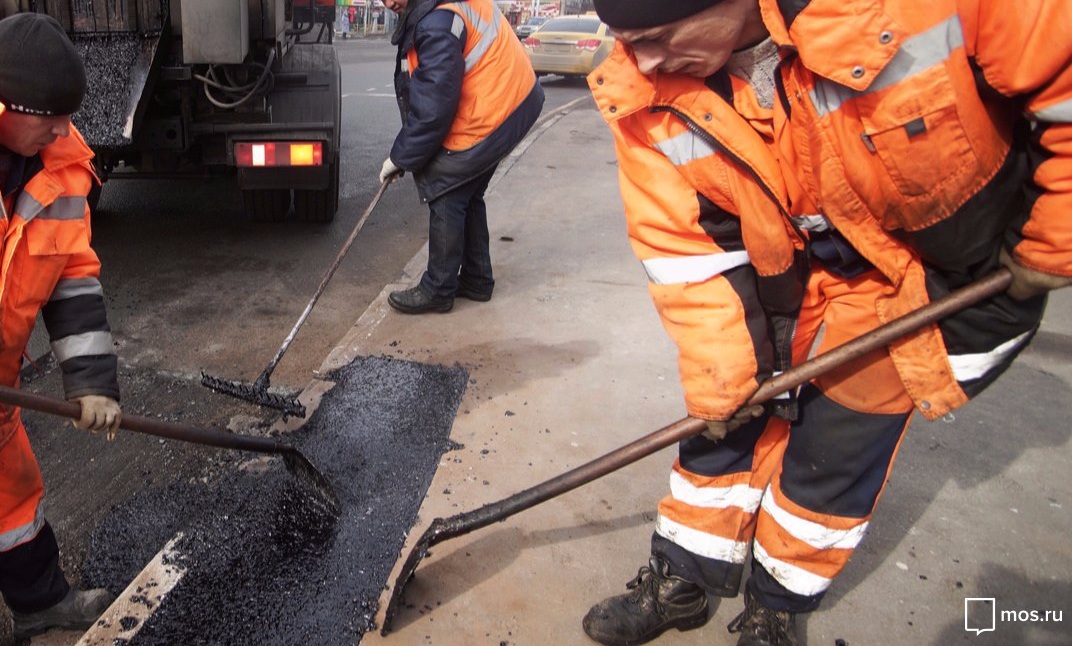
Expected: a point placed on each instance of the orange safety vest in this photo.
(493, 55)
(880, 130)
(45, 257)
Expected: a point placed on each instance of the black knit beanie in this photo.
(642, 14)
(41, 72)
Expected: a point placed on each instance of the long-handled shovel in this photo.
(295, 461)
(443, 529)
(257, 392)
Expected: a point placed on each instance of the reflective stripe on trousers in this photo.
(800, 497)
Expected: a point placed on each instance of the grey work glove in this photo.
(99, 413)
(1027, 283)
(390, 172)
(719, 429)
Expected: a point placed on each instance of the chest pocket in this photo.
(58, 229)
(915, 132)
(57, 237)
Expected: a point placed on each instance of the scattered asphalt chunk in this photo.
(263, 566)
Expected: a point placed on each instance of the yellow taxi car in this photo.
(569, 45)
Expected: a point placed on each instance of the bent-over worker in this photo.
(468, 96)
(47, 266)
(823, 165)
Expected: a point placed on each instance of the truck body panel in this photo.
(173, 85)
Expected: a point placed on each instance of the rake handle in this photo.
(147, 425)
(262, 380)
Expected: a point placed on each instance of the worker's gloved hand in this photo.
(390, 171)
(719, 429)
(99, 413)
(1027, 283)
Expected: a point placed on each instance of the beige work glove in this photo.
(390, 172)
(99, 413)
(719, 429)
(1027, 283)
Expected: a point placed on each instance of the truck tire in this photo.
(267, 205)
(319, 206)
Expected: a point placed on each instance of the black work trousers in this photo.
(458, 241)
(31, 579)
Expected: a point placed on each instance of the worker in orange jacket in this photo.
(46, 267)
(823, 165)
(467, 95)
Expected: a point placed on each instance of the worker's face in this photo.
(27, 134)
(700, 44)
(397, 6)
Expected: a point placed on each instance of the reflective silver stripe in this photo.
(702, 543)
(71, 287)
(457, 27)
(82, 345)
(488, 31)
(64, 208)
(818, 536)
(12, 538)
(814, 223)
(784, 395)
(794, 578)
(973, 366)
(741, 495)
(685, 148)
(692, 269)
(918, 53)
(1058, 113)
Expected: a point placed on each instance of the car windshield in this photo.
(536, 21)
(587, 25)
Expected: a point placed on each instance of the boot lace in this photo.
(643, 585)
(773, 626)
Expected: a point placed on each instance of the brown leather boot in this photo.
(657, 603)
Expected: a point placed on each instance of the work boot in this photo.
(415, 301)
(761, 626)
(657, 603)
(78, 610)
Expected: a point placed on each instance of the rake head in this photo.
(255, 395)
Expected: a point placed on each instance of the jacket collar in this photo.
(847, 41)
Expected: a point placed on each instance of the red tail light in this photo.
(279, 153)
(591, 44)
(531, 42)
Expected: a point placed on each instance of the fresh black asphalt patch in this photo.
(263, 565)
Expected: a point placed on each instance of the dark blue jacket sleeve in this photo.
(434, 90)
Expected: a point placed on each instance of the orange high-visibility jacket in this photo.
(47, 266)
(498, 75)
(469, 102)
(926, 134)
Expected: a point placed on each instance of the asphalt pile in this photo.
(264, 564)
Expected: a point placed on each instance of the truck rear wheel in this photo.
(319, 205)
(267, 205)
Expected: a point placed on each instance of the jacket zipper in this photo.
(715, 144)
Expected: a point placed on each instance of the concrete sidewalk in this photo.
(569, 361)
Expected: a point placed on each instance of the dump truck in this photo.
(187, 89)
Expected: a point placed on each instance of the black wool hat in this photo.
(642, 14)
(41, 72)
